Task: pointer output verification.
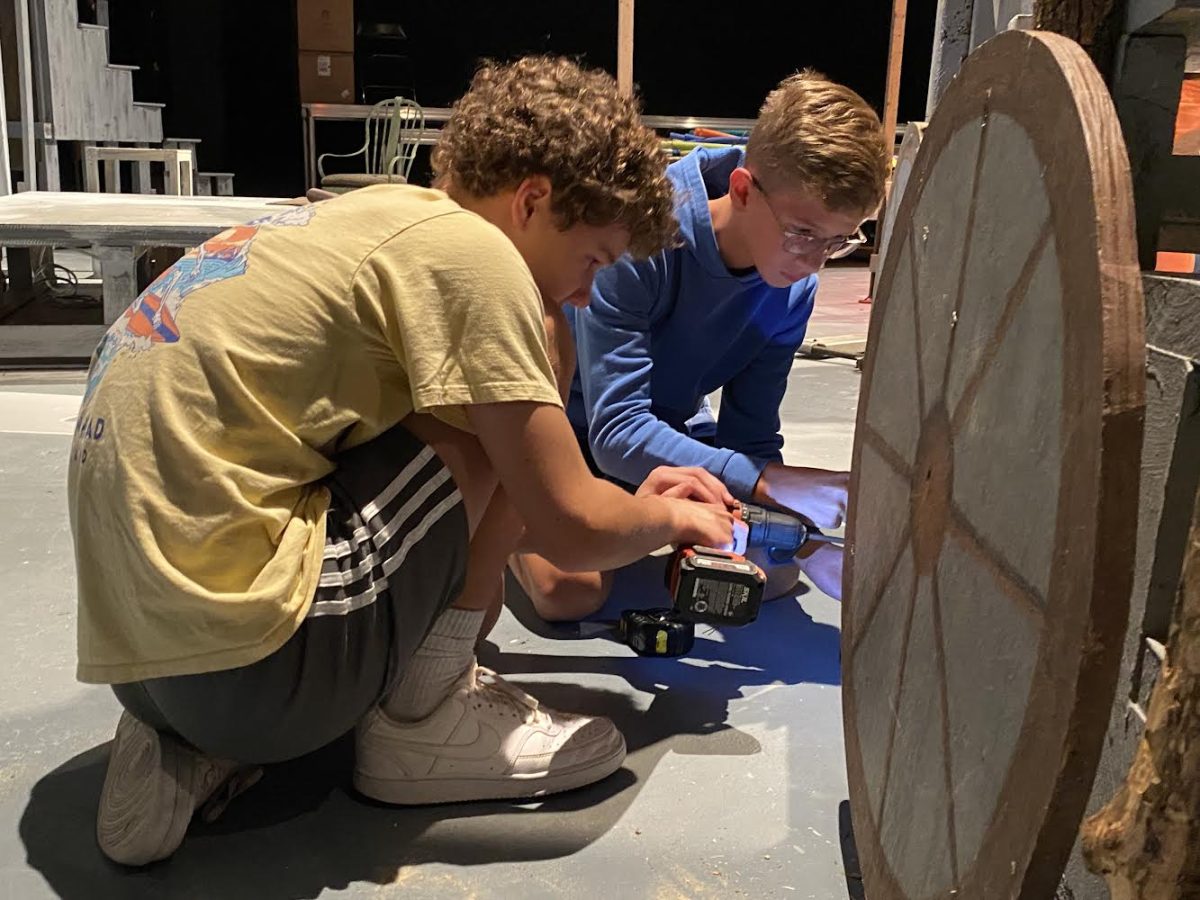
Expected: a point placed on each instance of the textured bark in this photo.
(1094, 24)
(1146, 841)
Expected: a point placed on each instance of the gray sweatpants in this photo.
(395, 556)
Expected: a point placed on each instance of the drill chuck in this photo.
(779, 533)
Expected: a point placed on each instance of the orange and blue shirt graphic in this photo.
(152, 318)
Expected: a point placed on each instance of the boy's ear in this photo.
(740, 187)
(532, 194)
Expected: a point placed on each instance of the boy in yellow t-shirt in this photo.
(306, 451)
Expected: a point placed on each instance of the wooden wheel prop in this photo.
(994, 497)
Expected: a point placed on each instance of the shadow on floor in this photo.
(784, 646)
(303, 829)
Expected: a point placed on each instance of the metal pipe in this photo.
(951, 44)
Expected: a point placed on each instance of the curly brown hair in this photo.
(817, 135)
(548, 116)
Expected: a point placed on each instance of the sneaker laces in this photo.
(508, 694)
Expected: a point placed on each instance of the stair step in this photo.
(122, 67)
(89, 26)
(217, 174)
(148, 104)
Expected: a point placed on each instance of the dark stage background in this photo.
(226, 69)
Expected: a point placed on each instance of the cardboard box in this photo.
(326, 77)
(325, 25)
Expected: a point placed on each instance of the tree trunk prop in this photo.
(1094, 24)
(1146, 841)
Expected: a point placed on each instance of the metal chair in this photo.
(393, 132)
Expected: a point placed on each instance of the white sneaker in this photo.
(489, 740)
(152, 788)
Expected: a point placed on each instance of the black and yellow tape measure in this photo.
(657, 632)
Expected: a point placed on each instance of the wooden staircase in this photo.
(82, 95)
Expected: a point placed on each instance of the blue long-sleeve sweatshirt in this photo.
(661, 334)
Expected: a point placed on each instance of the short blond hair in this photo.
(820, 136)
(548, 116)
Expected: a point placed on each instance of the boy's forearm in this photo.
(612, 529)
(819, 495)
(764, 487)
(637, 449)
(778, 485)
(575, 520)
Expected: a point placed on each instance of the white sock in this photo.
(439, 662)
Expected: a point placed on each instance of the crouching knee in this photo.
(559, 596)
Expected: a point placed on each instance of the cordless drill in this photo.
(716, 587)
(721, 587)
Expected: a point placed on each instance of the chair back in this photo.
(394, 130)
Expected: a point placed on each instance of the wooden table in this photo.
(116, 229)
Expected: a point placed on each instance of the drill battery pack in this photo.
(715, 587)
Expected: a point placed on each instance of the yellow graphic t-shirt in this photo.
(215, 403)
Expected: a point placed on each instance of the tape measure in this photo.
(657, 632)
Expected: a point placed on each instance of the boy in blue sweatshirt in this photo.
(725, 310)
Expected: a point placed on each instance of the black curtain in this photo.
(226, 69)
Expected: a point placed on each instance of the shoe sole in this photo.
(431, 791)
(143, 814)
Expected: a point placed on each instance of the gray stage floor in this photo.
(734, 785)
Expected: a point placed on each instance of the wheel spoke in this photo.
(1012, 303)
(944, 696)
(864, 624)
(916, 302)
(968, 233)
(894, 706)
(887, 453)
(1011, 582)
